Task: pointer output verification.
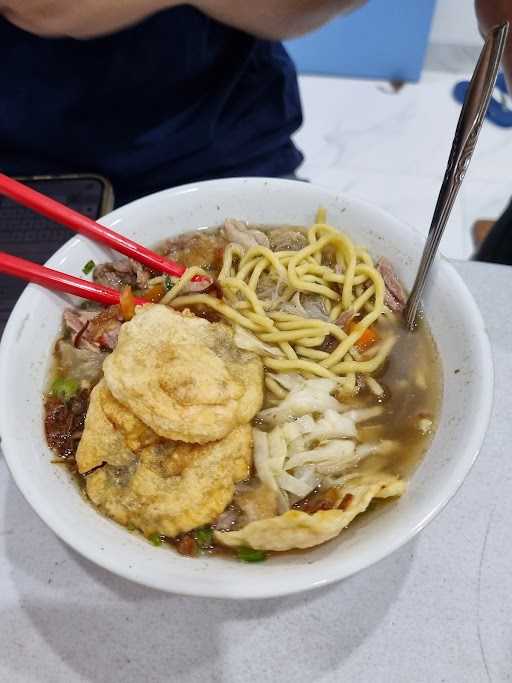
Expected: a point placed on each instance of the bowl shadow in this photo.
(98, 626)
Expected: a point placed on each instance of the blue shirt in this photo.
(178, 97)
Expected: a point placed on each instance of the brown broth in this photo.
(406, 402)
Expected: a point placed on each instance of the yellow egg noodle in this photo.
(353, 284)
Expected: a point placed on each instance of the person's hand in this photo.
(78, 18)
(490, 13)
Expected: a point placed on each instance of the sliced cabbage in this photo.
(299, 487)
(331, 457)
(311, 396)
(308, 475)
(294, 430)
(332, 425)
(262, 459)
(240, 233)
(278, 449)
(314, 307)
(383, 447)
(247, 341)
(302, 452)
(363, 414)
(288, 380)
(264, 469)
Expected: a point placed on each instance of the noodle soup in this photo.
(258, 404)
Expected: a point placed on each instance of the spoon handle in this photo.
(466, 135)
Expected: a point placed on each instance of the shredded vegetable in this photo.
(247, 341)
(64, 388)
(204, 537)
(311, 396)
(251, 555)
(89, 266)
(155, 539)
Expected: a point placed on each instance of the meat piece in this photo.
(175, 487)
(268, 289)
(183, 376)
(122, 272)
(202, 248)
(282, 239)
(64, 423)
(77, 322)
(108, 340)
(329, 343)
(228, 519)
(240, 233)
(93, 330)
(103, 330)
(306, 306)
(395, 297)
(345, 319)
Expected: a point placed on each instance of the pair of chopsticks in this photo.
(54, 279)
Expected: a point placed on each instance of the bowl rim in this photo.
(259, 589)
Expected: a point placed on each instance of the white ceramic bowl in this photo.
(456, 324)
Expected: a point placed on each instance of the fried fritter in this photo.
(174, 487)
(183, 376)
(136, 434)
(256, 502)
(101, 441)
(297, 529)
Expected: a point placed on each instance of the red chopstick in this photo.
(53, 279)
(40, 203)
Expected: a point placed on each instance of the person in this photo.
(152, 93)
(494, 240)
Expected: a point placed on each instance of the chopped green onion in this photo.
(251, 555)
(204, 537)
(168, 283)
(64, 388)
(88, 267)
(155, 539)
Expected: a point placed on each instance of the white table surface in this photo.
(390, 148)
(439, 609)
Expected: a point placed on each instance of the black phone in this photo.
(34, 237)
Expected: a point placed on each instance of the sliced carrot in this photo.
(127, 303)
(367, 339)
(154, 294)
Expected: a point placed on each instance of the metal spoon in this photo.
(468, 128)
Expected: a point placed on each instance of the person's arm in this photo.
(490, 13)
(276, 19)
(79, 18)
(273, 19)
